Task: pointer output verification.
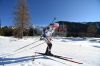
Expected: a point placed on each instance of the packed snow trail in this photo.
(80, 50)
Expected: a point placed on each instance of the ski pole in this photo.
(37, 45)
(10, 54)
(26, 46)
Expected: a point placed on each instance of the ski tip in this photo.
(77, 62)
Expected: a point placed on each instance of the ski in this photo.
(53, 55)
(61, 57)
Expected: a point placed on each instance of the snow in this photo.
(79, 49)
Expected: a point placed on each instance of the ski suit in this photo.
(47, 34)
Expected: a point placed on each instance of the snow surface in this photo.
(86, 51)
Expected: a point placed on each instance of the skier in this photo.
(47, 35)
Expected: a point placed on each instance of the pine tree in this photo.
(22, 22)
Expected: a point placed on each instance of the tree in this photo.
(6, 31)
(22, 22)
(91, 30)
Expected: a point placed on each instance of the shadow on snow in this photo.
(4, 61)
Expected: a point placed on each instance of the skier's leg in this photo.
(48, 49)
(49, 46)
